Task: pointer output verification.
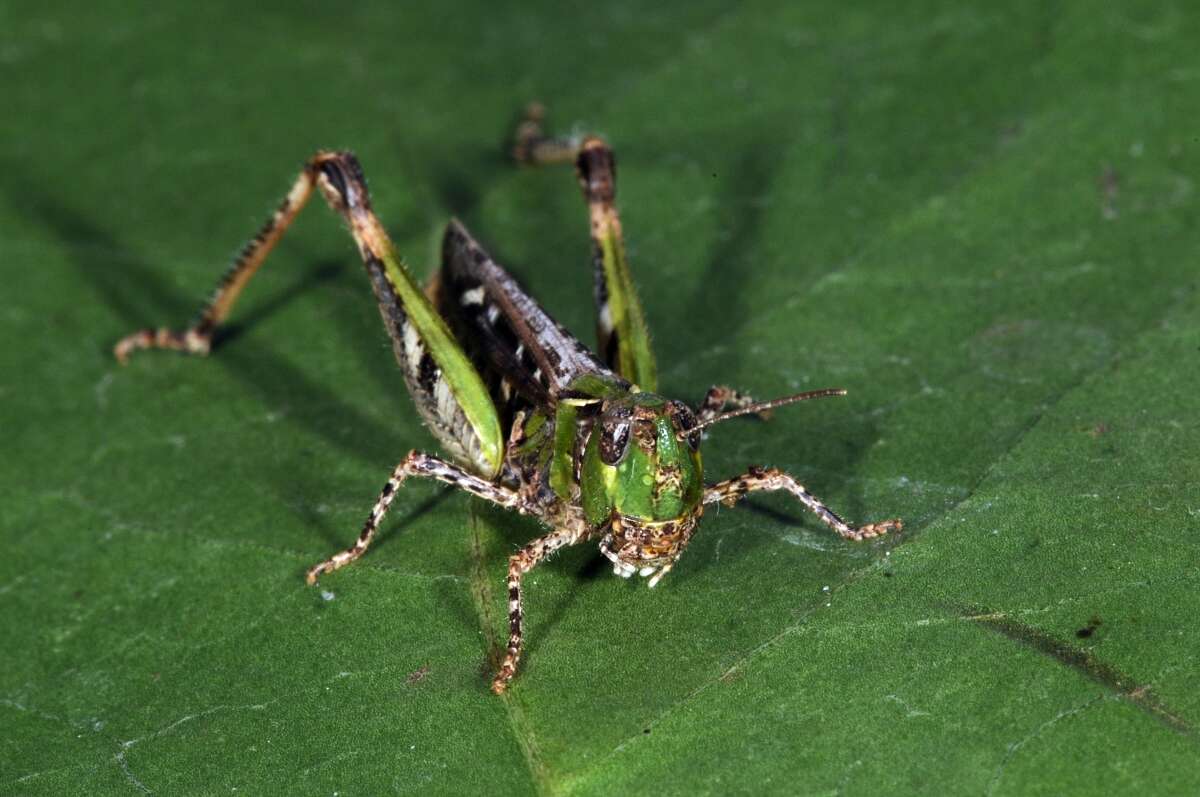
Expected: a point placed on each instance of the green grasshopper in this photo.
(531, 419)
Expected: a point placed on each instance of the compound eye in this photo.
(614, 440)
(685, 421)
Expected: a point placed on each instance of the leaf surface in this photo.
(981, 221)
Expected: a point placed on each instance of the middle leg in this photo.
(416, 463)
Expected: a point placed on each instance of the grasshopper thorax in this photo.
(642, 479)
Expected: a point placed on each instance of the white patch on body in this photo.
(413, 349)
(443, 399)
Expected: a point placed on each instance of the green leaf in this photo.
(980, 219)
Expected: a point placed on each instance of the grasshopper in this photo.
(530, 418)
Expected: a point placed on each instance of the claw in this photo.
(872, 530)
(658, 576)
(502, 679)
(191, 341)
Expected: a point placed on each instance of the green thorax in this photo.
(615, 451)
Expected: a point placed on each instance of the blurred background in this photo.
(980, 219)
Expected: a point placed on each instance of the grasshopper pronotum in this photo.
(530, 418)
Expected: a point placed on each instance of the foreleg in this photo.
(756, 479)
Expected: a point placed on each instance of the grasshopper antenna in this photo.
(764, 406)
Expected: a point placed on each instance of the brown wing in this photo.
(522, 351)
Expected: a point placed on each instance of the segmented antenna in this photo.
(763, 406)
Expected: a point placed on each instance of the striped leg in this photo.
(758, 479)
(415, 464)
(519, 564)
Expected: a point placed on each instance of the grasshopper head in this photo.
(643, 477)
